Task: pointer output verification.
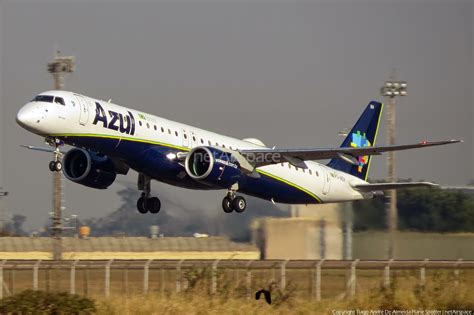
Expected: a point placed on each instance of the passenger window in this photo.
(176, 133)
(194, 138)
(310, 173)
(317, 174)
(223, 145)
(202, 141)
(185, 136)
(169, 131)
(209, 142)
(140, 123)
(148, 125)
(59, 100)
(154, 126)
(162, 129)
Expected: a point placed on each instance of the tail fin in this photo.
(363, 134)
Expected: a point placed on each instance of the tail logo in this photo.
(360, 141)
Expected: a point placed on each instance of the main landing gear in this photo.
(146, 203)
(231, 202)
(56, 165)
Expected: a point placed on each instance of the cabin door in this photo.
(84, 110)
(327, 180)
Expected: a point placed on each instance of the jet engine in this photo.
(89, 168)
(213, 167)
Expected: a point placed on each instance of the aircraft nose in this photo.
(25, 116)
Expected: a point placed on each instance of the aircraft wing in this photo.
(120, 166)
(261, 157)
(387, 186)
(31, 147)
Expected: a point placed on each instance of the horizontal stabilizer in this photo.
(389, 186)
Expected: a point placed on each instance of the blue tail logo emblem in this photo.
(360, 141)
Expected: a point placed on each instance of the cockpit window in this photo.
(59, 100)
(44, 98)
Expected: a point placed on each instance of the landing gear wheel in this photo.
(239, 204)
(227, 205)
(141, 205)
(52, 166)
(145, 205)
(55, 166)
(58, 166)
(153, 204)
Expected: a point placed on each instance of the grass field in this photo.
(405, 293)
(441, 291)
(438, 298)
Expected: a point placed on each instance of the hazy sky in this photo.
(292, 74)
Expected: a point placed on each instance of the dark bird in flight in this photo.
(266, 294)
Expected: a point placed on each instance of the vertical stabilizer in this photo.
(363, 134)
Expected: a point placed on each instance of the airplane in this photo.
(109, 140)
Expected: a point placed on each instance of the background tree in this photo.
(17, 222)
(176, 219)
(423, 209)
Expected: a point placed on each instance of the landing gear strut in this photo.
(146, 203)
(231, 202)
(56, 165)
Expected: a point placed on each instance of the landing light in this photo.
(171, 156)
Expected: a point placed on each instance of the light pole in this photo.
(392, 89)
(59, 67)
(2, 210)
(348, 221)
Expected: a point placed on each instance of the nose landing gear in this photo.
(146, 203)
(56, 165)
(231, 202)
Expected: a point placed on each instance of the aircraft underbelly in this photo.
(151, 160)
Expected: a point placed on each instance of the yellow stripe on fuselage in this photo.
(291, 184)
(93, 135)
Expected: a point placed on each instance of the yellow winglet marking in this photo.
(375, 140)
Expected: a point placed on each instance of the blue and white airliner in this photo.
(109, 139)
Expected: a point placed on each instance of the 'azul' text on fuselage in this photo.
(119, 122)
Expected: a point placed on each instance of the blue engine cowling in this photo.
(213, 167)
(89, 168)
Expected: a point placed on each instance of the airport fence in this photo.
(316, 279)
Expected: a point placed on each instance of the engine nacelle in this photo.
(89, 168)
(213, 167)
